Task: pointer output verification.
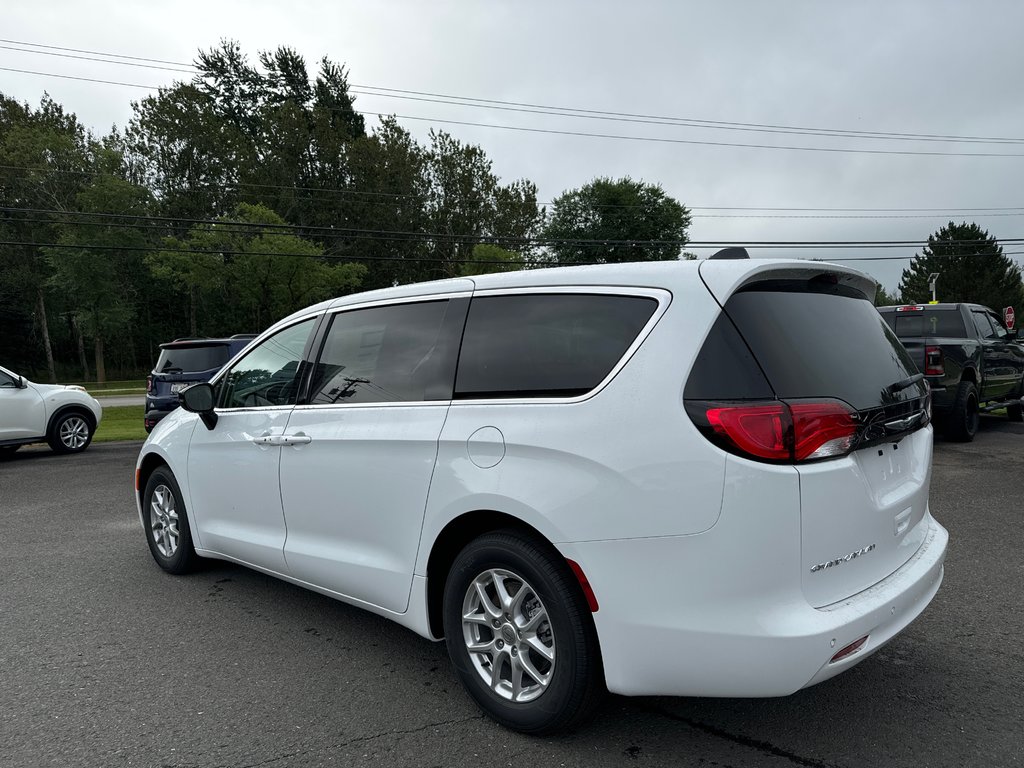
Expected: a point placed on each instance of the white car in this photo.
(684, 478)
(63, 415)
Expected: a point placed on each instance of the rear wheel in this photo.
(1015, 412)
(963, 419)
(166, 523)
(70, 432)
(520, 635)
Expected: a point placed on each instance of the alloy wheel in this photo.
(509, 636)
(163, 521)
(74, 433)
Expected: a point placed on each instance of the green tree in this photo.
(606, 212)
(971, 267)
(885, 299)
(486, 259)
(100, 282)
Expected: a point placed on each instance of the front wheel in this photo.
(1015, 411)
(167, 530)
(520, 635)
(70, 433)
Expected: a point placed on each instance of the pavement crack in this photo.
(761, 746)
(371, 737)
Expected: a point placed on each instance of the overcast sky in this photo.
(916, 66)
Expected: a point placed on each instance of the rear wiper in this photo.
(172, 370)
(902, 384)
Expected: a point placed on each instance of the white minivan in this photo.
(704, 478)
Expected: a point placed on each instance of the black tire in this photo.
(963, 419)
(71, 432)
(575, 682)
(163, 516)
(7, 451)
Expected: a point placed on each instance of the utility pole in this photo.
(932, 279)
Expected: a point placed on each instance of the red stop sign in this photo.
(1008, 317)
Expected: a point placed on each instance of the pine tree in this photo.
(971, 267)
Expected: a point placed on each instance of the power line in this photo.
(345, 232)
(446, 98)
(587, 134)
(102, 61)
(335, 257)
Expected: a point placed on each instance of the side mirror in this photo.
(199, 399)
(21, 383)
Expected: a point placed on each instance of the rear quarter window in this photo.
(546, 345)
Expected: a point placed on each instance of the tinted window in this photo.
(725, 369)
(191, 359)
(546, 345)
(269, 373)
(397, 353)
(982, 324)
(6, 381)
(822, 344)
(928, 322)
(997, 325)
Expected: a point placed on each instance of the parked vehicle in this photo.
(182, 363)
(972, 363)
(579, 477)
(63, 415)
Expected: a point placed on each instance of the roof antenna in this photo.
(731, 253)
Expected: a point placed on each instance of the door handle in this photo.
(299, 438)
(268, 439)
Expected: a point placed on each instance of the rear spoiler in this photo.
(723, 278)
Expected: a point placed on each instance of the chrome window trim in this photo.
(661, 295)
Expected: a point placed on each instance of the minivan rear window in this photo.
(546, 345)
(819, 344)
(191, 359)
(927, 322)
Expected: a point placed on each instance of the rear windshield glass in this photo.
(927, 322)
(817, 344)
(191, 359)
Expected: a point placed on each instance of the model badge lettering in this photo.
(843, 559)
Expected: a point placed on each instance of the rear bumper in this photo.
(156, 410)
(668, 627)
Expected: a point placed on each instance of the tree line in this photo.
(255, 189)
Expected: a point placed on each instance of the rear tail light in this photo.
(780, 431)
(933, 362)
(149, 385)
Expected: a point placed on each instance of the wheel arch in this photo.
(970, 373)
(454, 537)
(64, 410)
(147, 466)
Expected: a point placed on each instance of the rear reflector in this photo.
(934, 365)
(781, 431)
(588, 591)
(849, 650)
(910, 308)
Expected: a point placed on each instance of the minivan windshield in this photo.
(192, 358)
(822, 344)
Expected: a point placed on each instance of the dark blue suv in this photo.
(182, 363)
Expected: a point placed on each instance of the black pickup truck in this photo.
(968, 357)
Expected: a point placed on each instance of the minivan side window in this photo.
(6, 381)
(394, 353)
(270, 373)
(546, 345)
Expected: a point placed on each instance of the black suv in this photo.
(971, 361)
(182, 363)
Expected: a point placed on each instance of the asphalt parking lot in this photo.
(105, 660)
